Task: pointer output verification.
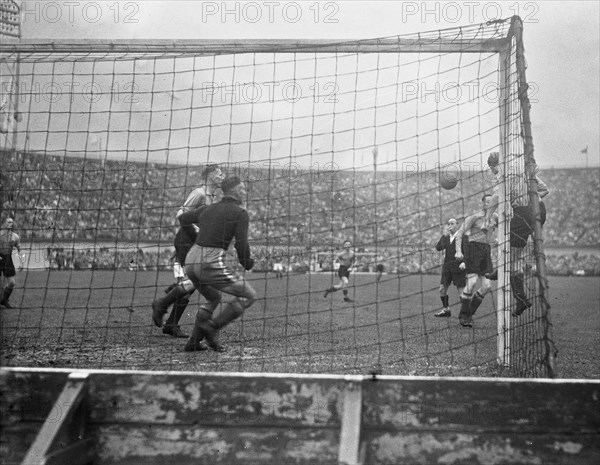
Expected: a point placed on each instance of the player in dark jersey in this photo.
(379, 270)
(218, 224)
(204, 194)
(451, 270)
(346, 259)
(8, 241)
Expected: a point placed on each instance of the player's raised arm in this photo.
(466, 226)
(542, 188)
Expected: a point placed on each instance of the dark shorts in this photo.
(380, 268)
(343, 272)
(452, 274)
(182, 244)
(7, 267)
(478, 258)
(522, 223)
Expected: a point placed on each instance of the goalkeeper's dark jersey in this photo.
(219, 224)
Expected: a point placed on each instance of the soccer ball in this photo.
(448, 180)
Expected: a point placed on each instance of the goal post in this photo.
(336, 140)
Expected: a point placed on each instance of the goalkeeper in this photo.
(204, 194)
(218, 224)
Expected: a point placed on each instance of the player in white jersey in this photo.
(8, 241)
(346, 260)
(481, 231)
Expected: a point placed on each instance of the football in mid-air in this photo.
(448, 180)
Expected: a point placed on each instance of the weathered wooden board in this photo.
(502, 448)
(180, 399)
(27, 398)
(219, 418)
(160, 444)
(456, 404)
(460, 421)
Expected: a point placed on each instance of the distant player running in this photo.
(185, 238)
(379, 270)
(346, 260)
(8, 241)
(452, 272)
(278, 267)
(477, 257)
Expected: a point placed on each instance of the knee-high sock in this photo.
(476, 302)
(518, 286)
(445, 301)
(174, 294)
(178, 308)
(465, 307)
(6, 293)
(204, 315)
(227, 313)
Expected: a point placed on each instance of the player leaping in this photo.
(477, 258)
(521, 227)
(346, 260)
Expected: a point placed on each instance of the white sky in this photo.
(561, 41)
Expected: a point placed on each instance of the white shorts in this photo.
(178, 271)
(277, 267)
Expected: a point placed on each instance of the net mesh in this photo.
(337, 141)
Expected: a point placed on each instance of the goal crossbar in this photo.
(212, 46)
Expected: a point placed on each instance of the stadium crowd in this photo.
(62, 199)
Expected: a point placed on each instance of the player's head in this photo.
(212, 175)
(486, 200)
(234, 187)
(452, 225)
(347, 245)
(494, 161)
(8, 222)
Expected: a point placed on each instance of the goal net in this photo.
(336, 141)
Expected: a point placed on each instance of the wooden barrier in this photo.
(128, 417)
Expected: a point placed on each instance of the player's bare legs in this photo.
(445, 311)
(480, 294)
(342, 285)
(171, 326)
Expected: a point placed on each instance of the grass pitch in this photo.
(102, 319)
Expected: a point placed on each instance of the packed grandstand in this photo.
(77, 208)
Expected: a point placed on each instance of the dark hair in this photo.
(229, 183)
(5, 218)
(209, 169)
(494, 159)
(486, 195)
